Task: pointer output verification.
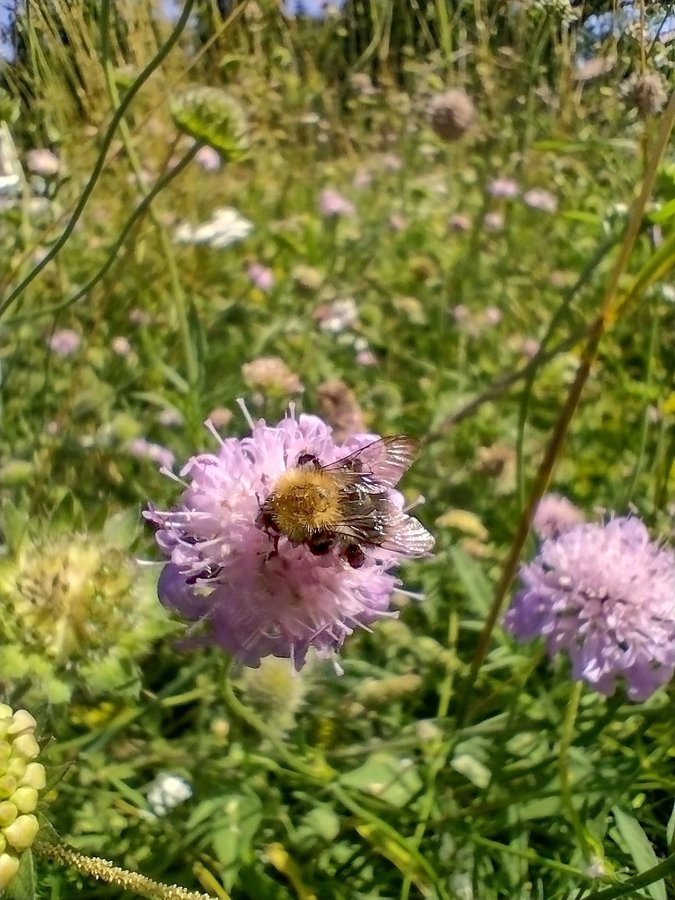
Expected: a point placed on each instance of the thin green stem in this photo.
(106, 143)
(566, 738)
(644, 879)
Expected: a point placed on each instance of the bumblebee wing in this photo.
(382, 525)
(383, 462)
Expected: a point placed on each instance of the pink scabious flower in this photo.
(540, 199)
(261, 276)
(144, 449)
(504, 188)
(65, 341)
(222, 572)
(605, 593)
(554, 515)
(334, 205)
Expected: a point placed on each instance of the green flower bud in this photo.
(34, 776)
(8, 812)
(5, 752)
(22, 832)
(9, 866)
(25, 799)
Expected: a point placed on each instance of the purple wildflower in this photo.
(333, 204)
(208, 158)
(42, 161)
(261, 276)
(554, 515)
(540, 199)
(65, 341)
(606, 595)
(143, 449)
(505, 188)
(222, 571)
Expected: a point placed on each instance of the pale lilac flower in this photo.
(120, 346)
(540, 199)
(143, 449)
(460, 222)
(530, 347)
(222, 572)
(503, 188)
(554, 515)
(366, 358)
(460, 313)
(261, 276)
(208, 158)
(140, 317)
(65, 341)
(333, 204)
(494, 221)
(492, 315)
(42, 162)
(362, 179)
(170, 418)
(606, 595)
(166, 792)
(390, 162)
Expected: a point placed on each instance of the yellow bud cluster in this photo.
(20, 780)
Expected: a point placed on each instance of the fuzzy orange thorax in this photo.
(303, 502)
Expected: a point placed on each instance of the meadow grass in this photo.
(526, 340)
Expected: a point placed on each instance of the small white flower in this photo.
(225, 227)
(166, 792)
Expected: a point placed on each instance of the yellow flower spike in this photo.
(25, 799)
(22, 721)
(26, 745)
(34, 776)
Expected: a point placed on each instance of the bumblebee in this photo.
(345, 506)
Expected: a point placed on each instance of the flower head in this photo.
(452, 114)
(42, 161)
(540, 199)
(253, 596)
(261, 276)
(333, 204)
(606, 595)
(65, 341)
(75, 612)
(554, 515)
(167, 792)
(225, 227)
(20, 780)
(647, 92)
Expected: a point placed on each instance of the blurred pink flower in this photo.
(492, 315)
(65, 341)
(333, 204)
(541, 200)
(459, 222)
(120, 346)
(397, 221)
(505, 188)
(261, 276)
(42, 162)
(362, 179)
(555, 514)
(143, 449)
(494, 221)
(208, 158)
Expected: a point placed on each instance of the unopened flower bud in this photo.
(34, 776)
(22, 721)
(25, 799)
(9, 866)
(16, 767)
(26, 745)
(8, 785)
(21, 833)
(8, 812)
